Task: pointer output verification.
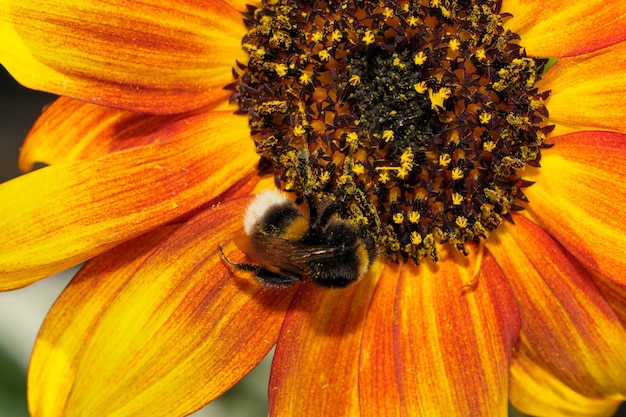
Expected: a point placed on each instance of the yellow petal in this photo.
(568, 328)
(241, 4)
(164, 57)
(161, 337)
(588, 91)
(57, 351)
(64, 214)
(537, 392)
(70, 130)
(559, 28)
(316, 363)
(437, 340)
(579, 197)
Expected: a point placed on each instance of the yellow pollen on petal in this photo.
(368, 37)
(420, 87)
(305, 79)
(438, 97)
(489, 146)
(352, 138)
(414, 217)
(398, 63)
(536, 103)
(457, 173)
(406, 163)
(336, 36)
(324, 55)
(416, 238)
(358, 169)
(541, 136)
(484, 118)
(481, 54)
(454, 45)
(388, 135)
(413, 21)
(457, 199)
(324, 177)
(461, 222)
(281, 69)
(260, 52)
(384, 177)
(398, 218)
(445, 159)
(299, 130)
(355, 80)
(419, 59)
(317, 36)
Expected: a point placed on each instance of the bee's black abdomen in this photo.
(347, 266)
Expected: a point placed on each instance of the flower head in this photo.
(484, 193)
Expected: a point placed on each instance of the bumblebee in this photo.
(287, 247)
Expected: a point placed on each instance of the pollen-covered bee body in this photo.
(288, 248)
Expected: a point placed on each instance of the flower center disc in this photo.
(417, 116)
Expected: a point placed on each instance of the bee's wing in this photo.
(283, 254)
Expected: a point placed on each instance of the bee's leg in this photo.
(265, 277)
(239, 266)
(272, 279)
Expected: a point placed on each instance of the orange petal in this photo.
(580, 197)
(164, 57)
(64, 214)
(437, 341)
(315, 366)
(560, 28)
(70, 130)
(568, 328)
(588, 91)
(160, 333)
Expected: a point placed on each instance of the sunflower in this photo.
(488, 191)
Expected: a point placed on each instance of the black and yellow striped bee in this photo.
(288, 247)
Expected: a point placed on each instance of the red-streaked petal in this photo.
(434, 344)
(588, 91)
(70, 130)
(568, 328)
(161, 337)
(560, 28)
(316, 361)
(64, 214)
(614, 293)
(162, 57)
(536, 391)
(580, 195)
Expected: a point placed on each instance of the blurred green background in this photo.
(22, 311)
